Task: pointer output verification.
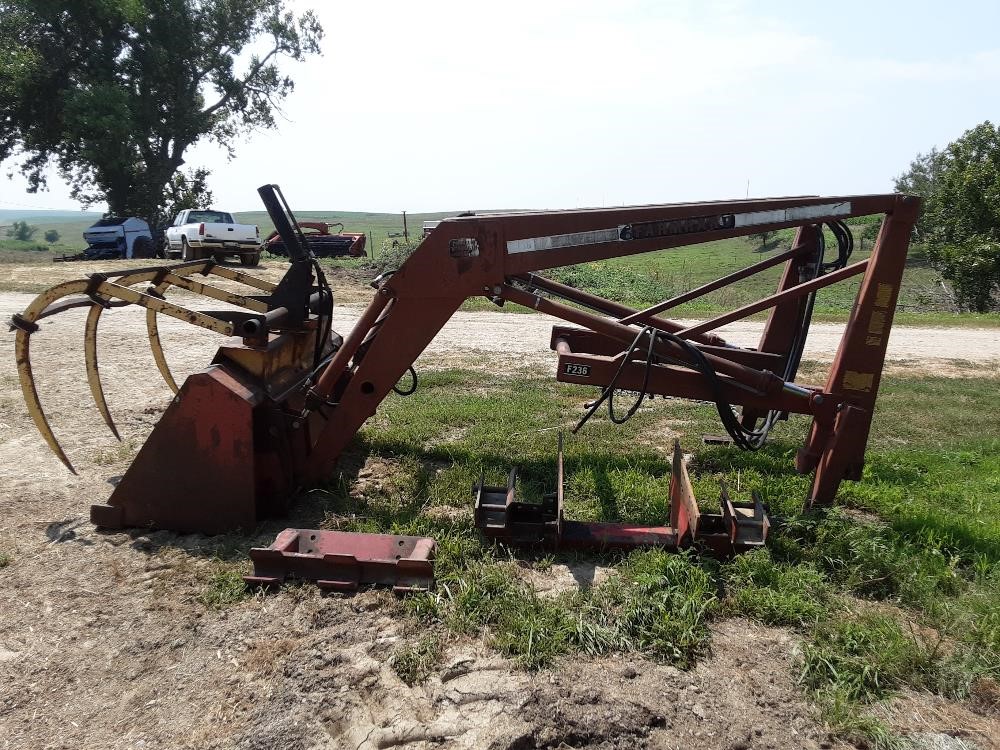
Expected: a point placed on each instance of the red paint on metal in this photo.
(607, 307)
(228, 452)
(195, 471)
(343, 561)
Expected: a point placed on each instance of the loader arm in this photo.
(496, 257)
(285, 395)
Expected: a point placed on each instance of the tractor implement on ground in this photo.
(737, 527)
(285, 394)
(322, 241)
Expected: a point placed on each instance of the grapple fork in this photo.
(279, 333)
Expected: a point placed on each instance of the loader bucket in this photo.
(202, 469)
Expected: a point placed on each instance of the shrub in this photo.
(21, 230)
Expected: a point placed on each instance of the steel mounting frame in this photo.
(738, 527)
(499, 256)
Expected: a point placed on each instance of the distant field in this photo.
(69, 224)
(378, 227)
(637, 280)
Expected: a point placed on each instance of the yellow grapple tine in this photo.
(93, 374)
(22, 353)
(152, 329)
(31, 400)
(157, 348)
(46, 304)
(174, 274)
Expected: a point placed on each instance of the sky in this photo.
(436, 106)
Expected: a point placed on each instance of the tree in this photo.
(51, 235)
(21, 230)
(921, 179)
(113, 92)
(185, 190)
(762, 238)
(961, 216)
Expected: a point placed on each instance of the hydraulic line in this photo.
(741, 436)
(755, 439)
(608, 393)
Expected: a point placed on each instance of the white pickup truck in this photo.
(198, 233)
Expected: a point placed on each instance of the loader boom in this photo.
(286, 395)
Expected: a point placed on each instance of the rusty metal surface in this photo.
(195, 472)
(343, 561)
(599, 370)
(684, 514)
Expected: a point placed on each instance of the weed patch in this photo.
(415, 663)
(775, 593)
(656, 603)
(872, 560)
(224, 588)
(868, 658)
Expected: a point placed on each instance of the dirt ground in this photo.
(104, 642)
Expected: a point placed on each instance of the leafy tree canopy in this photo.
(185, 190)
(21, 230)
(114, 91)
(961, 215)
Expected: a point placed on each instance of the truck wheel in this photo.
(186, 252)
(251, 259)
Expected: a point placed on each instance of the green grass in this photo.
(35, 253)
(776, 593)
(224, 587)
(870, 657)
(656, 603)
(70, 226)
(919, 535)
(5, 559)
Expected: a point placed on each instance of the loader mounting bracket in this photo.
(343, 561)
(738, 527)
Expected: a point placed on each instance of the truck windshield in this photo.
(209, 217)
